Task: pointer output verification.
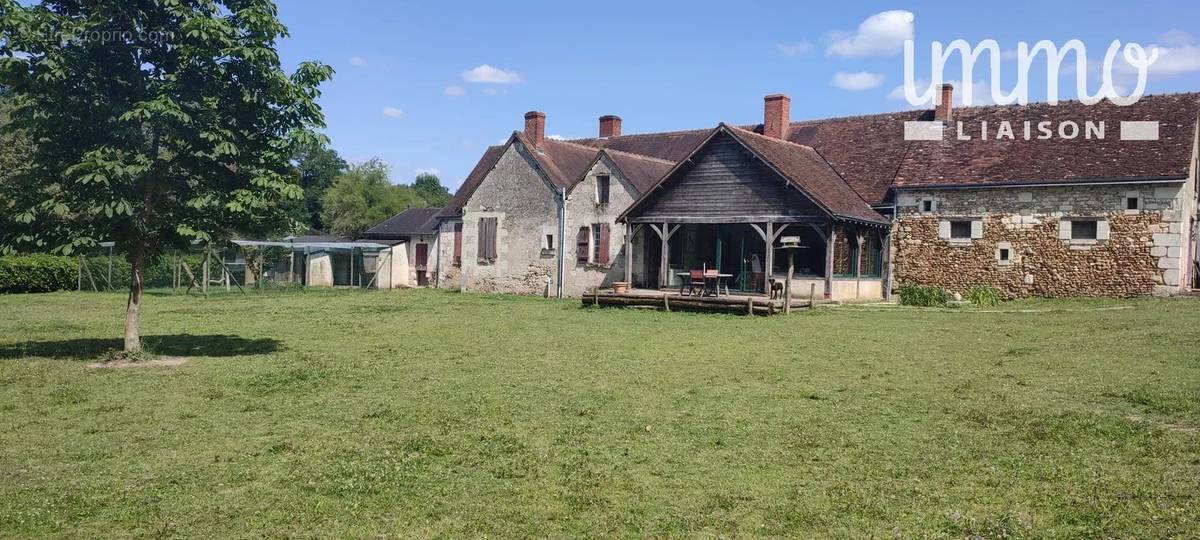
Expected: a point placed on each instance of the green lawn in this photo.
(425, 413)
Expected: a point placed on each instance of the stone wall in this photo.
(525, 208)
(449, 275)
(584, 211)
(1145, 251)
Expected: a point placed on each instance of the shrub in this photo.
(37, 273)
(984, 296)
(920, 295)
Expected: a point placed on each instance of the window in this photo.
(487, 240)
(1005, 255)
(1133, 203)
(458, 244)
(1083, 229)
(960, 230)
(549, 241)
(927, 206)
(596, 243)
(602, 186)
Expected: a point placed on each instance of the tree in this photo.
(363, 196)
(318, 165)
(156, 123)
(15, 148)
(431, 189)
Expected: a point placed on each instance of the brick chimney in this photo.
(535, 127)
(944, 109)
(777, 113)
(610, 126)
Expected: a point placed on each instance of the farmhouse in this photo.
(1103, 214)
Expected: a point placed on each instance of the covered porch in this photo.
(837, 260)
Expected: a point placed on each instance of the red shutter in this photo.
(458, 244)
(605, 233)
(581, 244)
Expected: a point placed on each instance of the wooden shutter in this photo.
(487, 239)
(605, 233)
(458, 244)
(581, 244)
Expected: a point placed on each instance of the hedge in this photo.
(37, 273)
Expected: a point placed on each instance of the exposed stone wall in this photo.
(584, 211)
(525, 207)
(449, 276)
(1142, 254)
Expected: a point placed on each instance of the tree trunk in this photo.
(133, 338)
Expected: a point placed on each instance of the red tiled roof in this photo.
(641, 171)
(811, 173)
(1018, 161)
(870, 155)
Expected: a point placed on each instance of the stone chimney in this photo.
(535, 127)
(944, 109)
(777, 113)
(610, 126)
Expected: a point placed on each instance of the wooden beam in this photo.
(831, 240)
(664, 267)
(769, 268)
(887, 266)
(859, 237)
(779, 231)
(761, 233)
(820, 232)
(629, 232)
(729, 219)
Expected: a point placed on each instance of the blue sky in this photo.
(410, 88)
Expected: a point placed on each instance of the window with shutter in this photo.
(596, 243)
(602, 186)
(582, 240)
(487, 240)
(458, 244)
(602, 249)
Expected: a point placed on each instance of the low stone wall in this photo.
(1143, 253)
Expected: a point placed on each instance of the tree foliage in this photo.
(155, 123)
(429, 188)
(318, 166)
(363, 196)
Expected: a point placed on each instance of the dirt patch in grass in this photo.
(161, 361)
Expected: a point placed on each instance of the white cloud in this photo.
(358, 61)
(490, 75)
(981, 93)
(880, 34)
(794, 49)
(556, 137)
(431, 170)
(456, 91)
(394, 112)
(490, 91)
(862, 80)
(1176, 36)
(1172, 60)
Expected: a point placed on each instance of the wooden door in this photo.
(422, 263)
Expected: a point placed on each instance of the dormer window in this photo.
(603, 183)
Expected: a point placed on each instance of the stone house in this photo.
(1037, 200)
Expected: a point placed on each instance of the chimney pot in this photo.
(535, 127)
(610, 126)
(945, 107)
(777, 114)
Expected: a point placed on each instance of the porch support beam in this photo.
(664, 234)
(630, 231)
(830, 241)
(769, 268)
(859, 237)
(887, 265)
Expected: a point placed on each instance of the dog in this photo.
(776, 289)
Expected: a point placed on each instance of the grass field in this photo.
(425, 413)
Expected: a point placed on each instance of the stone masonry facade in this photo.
(1020, 239)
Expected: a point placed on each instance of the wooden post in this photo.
(812, 294)
(859, 237)
(830, 241)
(769, 258)
(204, 272)
(79, 275)
(749, 305)
(664, 266)
(887, 266)
(667, 301)
(787, 285)
(629, 254)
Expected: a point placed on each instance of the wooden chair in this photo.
(695, 280)
(714, 276)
